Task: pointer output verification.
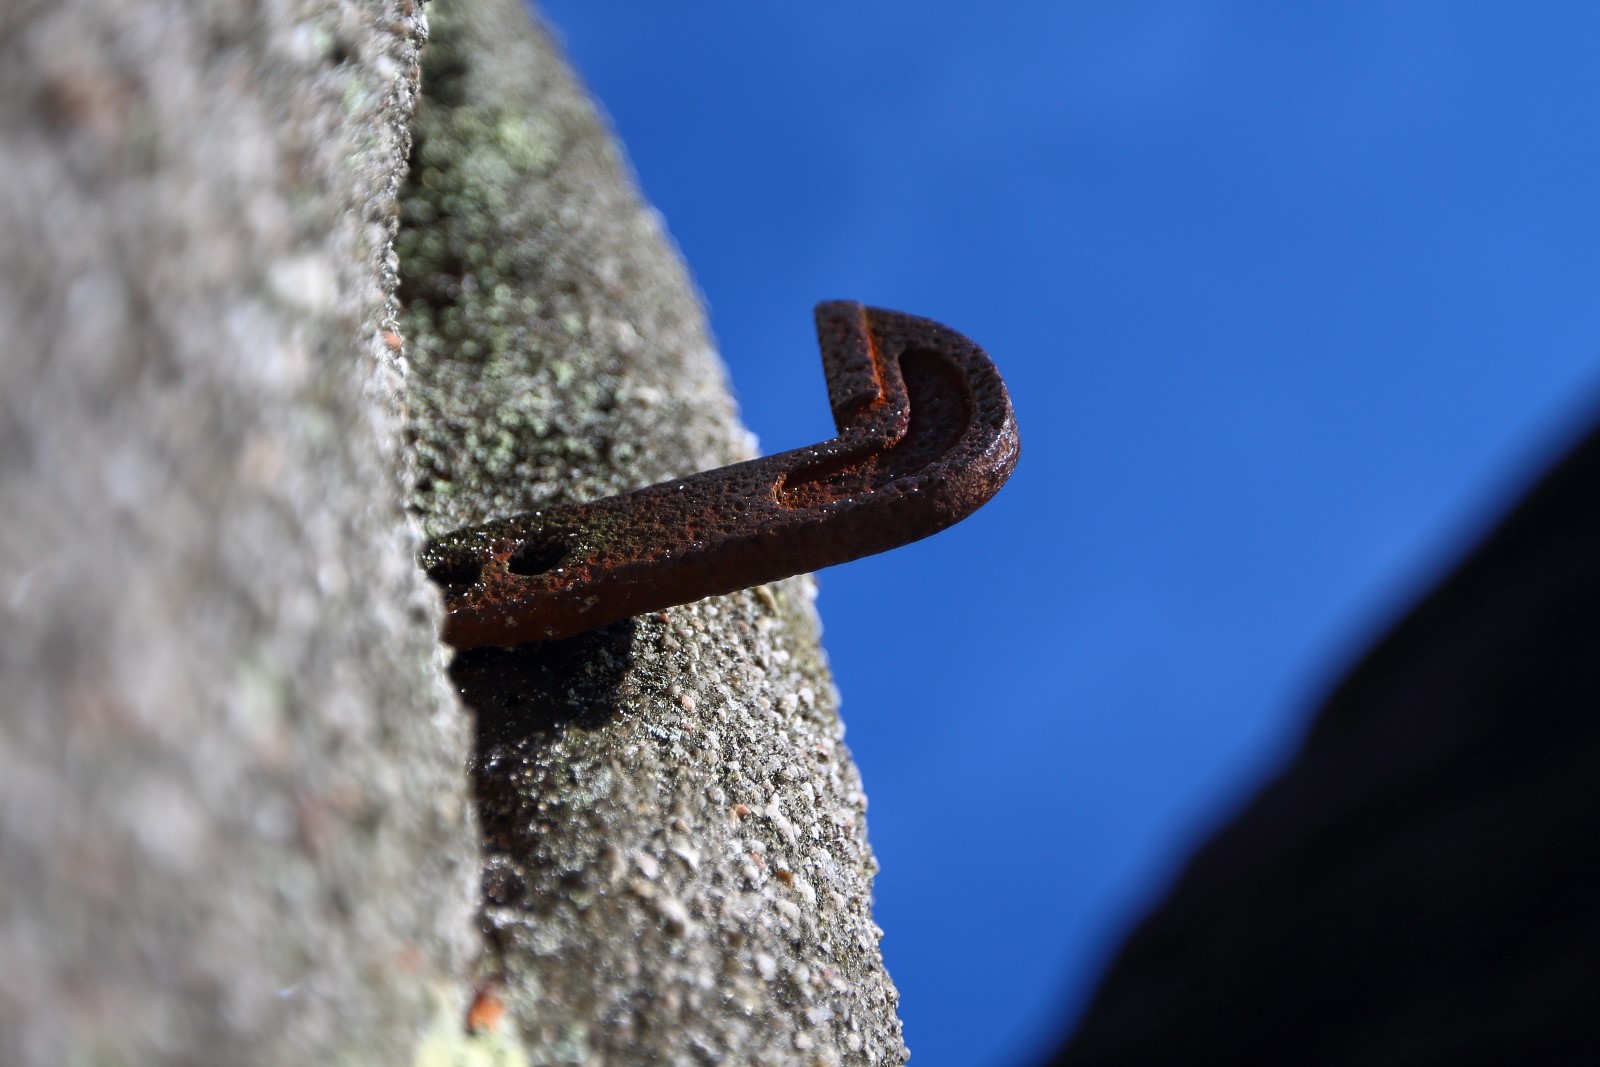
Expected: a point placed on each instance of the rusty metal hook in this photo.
(926, 437)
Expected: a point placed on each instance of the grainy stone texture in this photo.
(233, 820)
(677, 869)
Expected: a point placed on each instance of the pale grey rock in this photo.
(233, 822)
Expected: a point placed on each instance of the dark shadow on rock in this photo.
(1421, 885)
(528, 695)
(525, 699)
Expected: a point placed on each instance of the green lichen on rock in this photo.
(538, 299)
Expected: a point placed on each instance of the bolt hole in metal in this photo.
(536, 557)
(456, 575)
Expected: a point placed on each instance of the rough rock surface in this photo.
(234, 826)
(677, 869)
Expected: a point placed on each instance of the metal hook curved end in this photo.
(926, 437)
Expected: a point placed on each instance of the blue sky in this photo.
(1289, 299)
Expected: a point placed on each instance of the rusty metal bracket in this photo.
(926, 437)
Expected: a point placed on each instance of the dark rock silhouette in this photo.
(1421, 885)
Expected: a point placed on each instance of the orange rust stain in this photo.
(486, 1012)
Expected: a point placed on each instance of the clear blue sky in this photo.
(1289, 298)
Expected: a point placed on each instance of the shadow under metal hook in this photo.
(926, 437)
